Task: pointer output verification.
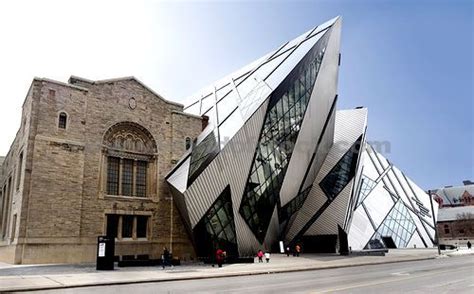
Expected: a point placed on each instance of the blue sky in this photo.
(409, 62)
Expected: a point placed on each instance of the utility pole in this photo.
(434, 222)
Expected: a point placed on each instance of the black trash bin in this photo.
(105, 253)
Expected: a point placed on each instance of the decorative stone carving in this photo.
(129, 136)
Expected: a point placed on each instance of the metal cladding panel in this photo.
(353, 198)
(322, 152)
(179, 178)
(333, 216)
(425, 231)
(178, 198)
(369, 168)
(349, 126)
(322, 98)
(360, 231)
(378, 204)
(415, 241)
(272, 232)
(398, 189)
(373, 157)
(425, 199)
(230, 166)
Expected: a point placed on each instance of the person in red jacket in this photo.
(260, 255)
(219, 257)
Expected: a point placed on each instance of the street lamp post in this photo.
(434, 222)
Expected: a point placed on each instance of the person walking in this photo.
(469, 244)
(165, 257)
(260, 256)
(297, 250)
(267, 256)
(287, 251)
(219, 257)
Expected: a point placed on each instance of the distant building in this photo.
(456, 225)
(89, 159)
(456, 214)
(454, 196)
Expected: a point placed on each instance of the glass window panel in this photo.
(302, 85)
(223, 216)
(214, 221)
(113, 164)
(194, 108)
(127, 177)
(141, 178)
(112, 225)
(207, 103)
(229, 231)
(227, 105)
(142, 222)
(127, 226)
(268, 67)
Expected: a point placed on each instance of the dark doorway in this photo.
(389, 242)
(320, 244)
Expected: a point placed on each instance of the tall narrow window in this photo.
(127, 177)
(140, 185)
(62, 120)
(112, 225)
(113, 175)
(142, 222)
(127, 226)
(188, 143)
(18, 177)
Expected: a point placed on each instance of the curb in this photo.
(211, 276)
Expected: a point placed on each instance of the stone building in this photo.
(89, 159)
(456, 225)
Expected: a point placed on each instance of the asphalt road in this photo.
(444, 275)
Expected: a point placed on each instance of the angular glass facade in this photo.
(396, 230)
(280, 130)
(230, 102)
(216, 229)
(341, 174)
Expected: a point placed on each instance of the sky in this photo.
(409, 62)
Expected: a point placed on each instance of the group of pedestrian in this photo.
(296, 252)
(260, 256)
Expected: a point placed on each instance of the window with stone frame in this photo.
(62, 121)
(125, 226)
(129, 150)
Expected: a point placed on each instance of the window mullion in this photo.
(119, 229)
(134, 228)
(120, 176)
(134, 178)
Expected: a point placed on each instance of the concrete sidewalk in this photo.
(34, 277)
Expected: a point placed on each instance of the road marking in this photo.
(400, 274)
(379, 282)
